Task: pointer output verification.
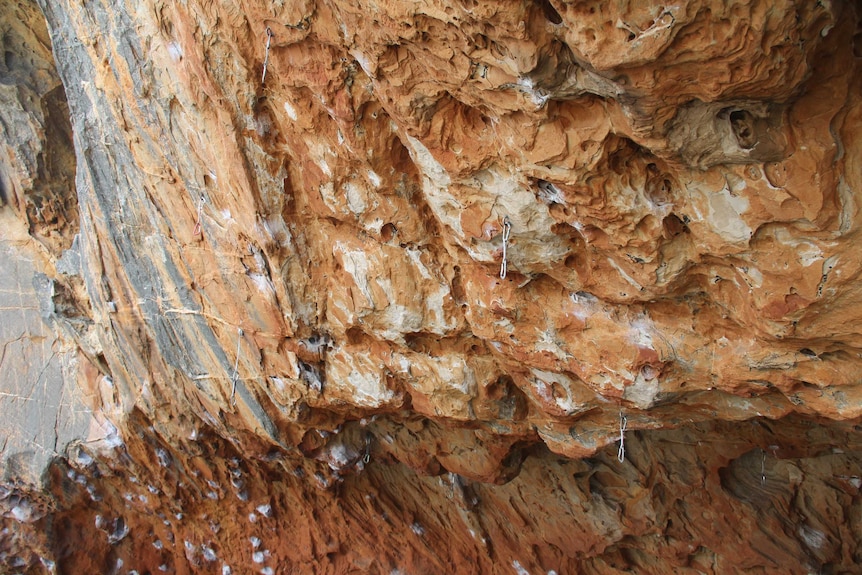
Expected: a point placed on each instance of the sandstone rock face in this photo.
(443, 287)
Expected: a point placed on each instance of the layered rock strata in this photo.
(277, 259)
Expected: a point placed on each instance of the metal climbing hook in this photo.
(197, 229)
(624, 421)
(235, 375)
(266, 55)
(507, 230)
(367, 457)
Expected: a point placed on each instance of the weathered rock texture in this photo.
(328, 375)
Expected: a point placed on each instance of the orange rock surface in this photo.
(444, 287)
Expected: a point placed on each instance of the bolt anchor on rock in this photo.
(197, 229)
(621, 453)
(507, 230)
(266, 54)
(235, 375)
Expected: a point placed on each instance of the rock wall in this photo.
(443, 287)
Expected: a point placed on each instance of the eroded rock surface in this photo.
(287, 298)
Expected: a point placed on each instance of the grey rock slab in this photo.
(41, 408)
